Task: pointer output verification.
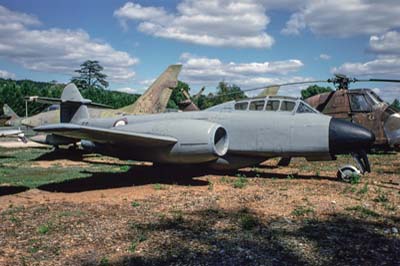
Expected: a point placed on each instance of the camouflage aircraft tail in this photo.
(9, 112)
(155, 99)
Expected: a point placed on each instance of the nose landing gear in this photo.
(347, 172)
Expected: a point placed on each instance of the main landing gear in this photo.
(348, 172)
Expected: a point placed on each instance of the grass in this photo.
(240, 182)
(363, 190)
(104, 261)
(363, 211)
(247, 221)
(381, 198)
(158, 186)
(18, 169)
(302, 211)
(355, 178)
(135, 204)
(44, 228)
(290, 177)
(210, 185)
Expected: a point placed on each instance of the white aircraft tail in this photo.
(73, 106)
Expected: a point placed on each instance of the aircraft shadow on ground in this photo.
(135, 176)
(339, 239)
(61, 154)
(285, 176)
(7, 157)
(10, 190)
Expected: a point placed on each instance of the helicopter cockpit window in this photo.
(358, 103)
(257, 105)
(287, 106)
(304, 109)
(272, 105)
(376, 99)
(241, 106)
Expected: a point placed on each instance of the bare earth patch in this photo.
(297, 215)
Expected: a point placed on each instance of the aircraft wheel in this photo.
(347, 172)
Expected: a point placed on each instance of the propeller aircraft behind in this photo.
(227, 136)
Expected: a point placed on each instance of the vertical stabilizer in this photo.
(73, 106)
(9, 112)
(156, 98)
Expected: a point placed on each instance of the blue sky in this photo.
(251, 43)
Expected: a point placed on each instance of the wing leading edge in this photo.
(107, 136)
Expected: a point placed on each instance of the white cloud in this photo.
(127, 90)
(6, 75)
(388, 43)
(325, 57)
(204, 71)
(147, 82)
(214, 23)
(57, 50)
(344, 18)
(7, 16)
(385, 64)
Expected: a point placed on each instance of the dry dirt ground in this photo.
(297, 215)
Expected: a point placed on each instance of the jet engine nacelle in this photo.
(198, 141)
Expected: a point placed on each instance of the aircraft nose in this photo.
(346, 137)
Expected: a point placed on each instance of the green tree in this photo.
(13, 92)
(396, 104)
(177, 95)
(90, 75)
(314, 90)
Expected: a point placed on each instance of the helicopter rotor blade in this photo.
(269, 86)
(377, 80)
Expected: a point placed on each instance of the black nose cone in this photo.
(346, 137)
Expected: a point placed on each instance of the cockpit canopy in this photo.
(268, 104)
(363, 100)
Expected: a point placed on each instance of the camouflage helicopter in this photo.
(362, 106)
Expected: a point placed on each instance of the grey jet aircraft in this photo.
(13, 133)
(154, 100)
(228, 136)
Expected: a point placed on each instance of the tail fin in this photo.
(156, 98)
(73, 106)
(269, 91)
(9, 112)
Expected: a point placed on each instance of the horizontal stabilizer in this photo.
(49, 100)
(106, 136)
(10, 132)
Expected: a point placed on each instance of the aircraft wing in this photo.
(49, 100)
(108, 136)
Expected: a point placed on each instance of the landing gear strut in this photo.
(346, 172)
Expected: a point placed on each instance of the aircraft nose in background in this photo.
(346, 137)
